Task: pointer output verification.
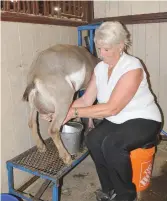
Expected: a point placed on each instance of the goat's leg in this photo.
(55, 134)
(63, 153)
(62, 94)
(34, 127)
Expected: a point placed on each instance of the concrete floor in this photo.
(158, 188)
(82, 181)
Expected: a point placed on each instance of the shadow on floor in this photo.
(158, 188)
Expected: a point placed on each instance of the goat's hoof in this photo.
(42, 148)
(66, 158)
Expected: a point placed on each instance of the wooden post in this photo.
(45, 8)
(18, 6)
(14, 6)
(8, 5)
(33, 7)
(24, 6)
(52, 8)
(64, 7)
(74, 7)
(37, 7)
(69, 7)
(28, 6)
(90, 11)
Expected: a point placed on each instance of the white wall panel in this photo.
(163, 6)
(139, 41)
(36, 38)
(163, 72)
(130, 29)
(142, 7)
(152, 55)
(111, 8)
(124, 8)
(55, 34)
(99, 9)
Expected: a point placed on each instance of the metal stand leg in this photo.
(91, 40)
(10, 178)
(79, 38)
(55, 193)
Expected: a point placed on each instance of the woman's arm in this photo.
(123, 92)
(89, 96)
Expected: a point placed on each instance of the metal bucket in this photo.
(71, 136)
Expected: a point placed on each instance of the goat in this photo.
(55, 75)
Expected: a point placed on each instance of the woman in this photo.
(131, 117)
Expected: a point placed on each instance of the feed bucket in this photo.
(71, 136)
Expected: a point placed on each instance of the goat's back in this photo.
(64, 60)
(60, 60)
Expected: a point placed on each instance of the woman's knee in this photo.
(94, 138)
(111, 148)
(107, 145)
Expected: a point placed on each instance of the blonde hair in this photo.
(112, 33)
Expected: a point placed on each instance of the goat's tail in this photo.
(27, 91)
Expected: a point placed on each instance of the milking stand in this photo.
(47, 165)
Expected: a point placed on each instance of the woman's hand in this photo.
(70, 115)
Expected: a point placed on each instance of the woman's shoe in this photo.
(163, 137)
(101, 196)
(127, 197)
(116, 199)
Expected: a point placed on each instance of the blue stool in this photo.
(8, 197)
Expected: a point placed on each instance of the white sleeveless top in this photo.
(142, 104)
